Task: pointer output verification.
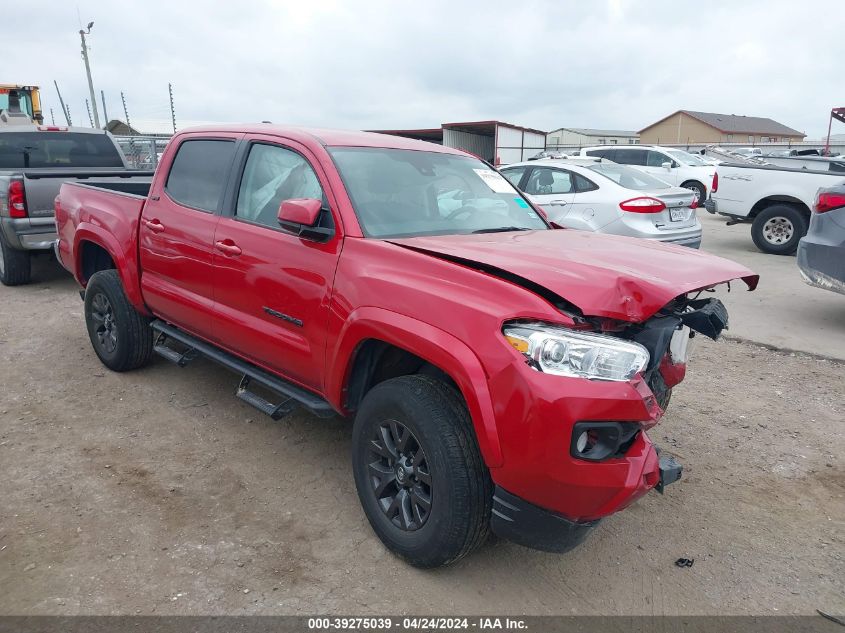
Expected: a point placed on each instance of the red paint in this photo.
(304, 211)
(407, 293)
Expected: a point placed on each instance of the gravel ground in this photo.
(158, 492)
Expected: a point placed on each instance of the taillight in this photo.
(642, 205)
(694, 204)
(17, 199)
(51, 128)
(827, 201)
(715, 186)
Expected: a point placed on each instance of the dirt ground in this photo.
(158, 492)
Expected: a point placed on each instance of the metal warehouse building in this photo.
(494, 141)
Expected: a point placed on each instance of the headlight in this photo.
(563, 352)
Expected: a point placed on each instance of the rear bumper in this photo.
(822, 264)
(29, 234)
(691, 242)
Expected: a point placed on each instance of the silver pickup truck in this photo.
(34, 162)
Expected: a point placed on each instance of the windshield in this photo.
(57, 149)
(404, 193)
(684, 158)
(629, 177)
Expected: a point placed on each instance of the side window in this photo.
(514, 174)
(630, 157)
(272, 175)
(584, 184)
(601, 153)
(656, 159)
(198, 173)
(546, 180)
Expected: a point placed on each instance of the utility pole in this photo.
(88, 107)
(82, 34)
(67, 115)
(172, 111)
(105, 113)
(62, 101)
(52, 118)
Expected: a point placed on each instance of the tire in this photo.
(15, 265)
(777, 229)
(121, 337)
(450, 474)
(700, 189)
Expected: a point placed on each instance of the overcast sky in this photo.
(391, 64)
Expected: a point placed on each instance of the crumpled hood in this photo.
(603, 275)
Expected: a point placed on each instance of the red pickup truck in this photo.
(501, 373)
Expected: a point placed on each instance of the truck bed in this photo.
(104, 213)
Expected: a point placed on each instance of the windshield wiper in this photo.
(502, 229)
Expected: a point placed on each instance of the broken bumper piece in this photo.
(670, 472)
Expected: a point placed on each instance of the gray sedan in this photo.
(821, 253)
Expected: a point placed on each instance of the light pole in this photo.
(82, 34)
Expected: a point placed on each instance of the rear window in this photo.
(629, 177)
(198, 173)
(21, 150)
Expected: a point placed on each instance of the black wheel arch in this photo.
(375, 361)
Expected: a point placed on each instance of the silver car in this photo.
(604, 197)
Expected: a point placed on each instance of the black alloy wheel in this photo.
(105, 327)
(400, 476)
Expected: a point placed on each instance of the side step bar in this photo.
(292, 395)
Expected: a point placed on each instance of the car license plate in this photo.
(678, 215)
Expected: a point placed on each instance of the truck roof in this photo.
(329, 137)
(51, 128)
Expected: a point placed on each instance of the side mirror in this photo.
(666, 166)
(300, 216)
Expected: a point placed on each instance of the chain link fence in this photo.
(142, 152)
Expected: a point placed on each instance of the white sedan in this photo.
(603, 197)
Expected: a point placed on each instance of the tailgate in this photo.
(41, 186)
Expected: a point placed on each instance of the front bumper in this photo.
(523, 523)
(526, 524)
(29, 234)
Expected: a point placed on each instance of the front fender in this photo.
(428, 342)
(125, 262)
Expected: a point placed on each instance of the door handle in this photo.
(228, 248)
(558, 203)
(154, 225)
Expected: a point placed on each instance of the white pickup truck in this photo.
(776, 200)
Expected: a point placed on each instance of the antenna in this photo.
(105, 113)
(64, 109)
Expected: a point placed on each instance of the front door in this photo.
(177, 232)
(554, 190)
(272, 288)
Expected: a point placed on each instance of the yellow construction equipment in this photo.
(19, 104)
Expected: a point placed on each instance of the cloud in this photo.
(383, 64)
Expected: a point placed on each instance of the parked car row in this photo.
(593, 194)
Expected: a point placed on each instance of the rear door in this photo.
(272, 288)
(553, 189)
(176, 236)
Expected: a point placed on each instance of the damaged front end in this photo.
(668, 337)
